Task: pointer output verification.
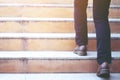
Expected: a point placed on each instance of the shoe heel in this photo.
(80, 53)
(105, 73)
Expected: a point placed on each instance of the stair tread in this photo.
(46, 5)
(48, 19)
(50, 35)
(51, 55)
(58, 76)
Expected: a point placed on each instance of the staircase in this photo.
(37, 39)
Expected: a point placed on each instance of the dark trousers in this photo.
(100, 16)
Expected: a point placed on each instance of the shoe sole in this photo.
(80, 53)
(104, 73)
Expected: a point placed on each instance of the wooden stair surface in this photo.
(42, 10)
(50, 1)
(52, 62)
(48, 41)
(37, 36)
(48, 25)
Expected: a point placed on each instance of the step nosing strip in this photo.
(49, 19)
(35, 5)
(56, 75)
(50, 35)
(54, 56)
(46, 5)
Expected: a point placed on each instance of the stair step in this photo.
(48, 19)
(47, 5)
(42, 10)
(59, 76)
(50, 25)
(43, 41)
(52, 55)
(117, 2)
(52, 62)
(50, 35)
(36, 1)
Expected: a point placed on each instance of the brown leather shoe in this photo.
(81, 50)
(103, 70)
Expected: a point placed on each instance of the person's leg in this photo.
(80, 19)
(100, 14)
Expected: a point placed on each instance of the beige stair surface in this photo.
(48, 25)
(42, 10)
(48, 41)
(52, 62)
(37, 39)
(50, 1)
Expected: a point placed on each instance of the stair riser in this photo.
(11, 44)
(48, 44)
(67, 43)
(49, 1)
(48, 12)
(52, 66)
(49, 27)
(36, 1)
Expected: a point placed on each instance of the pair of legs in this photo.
(100, 15)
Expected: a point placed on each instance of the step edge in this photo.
(50, 35)
(49, 19)
(46, 5)
(55, 55)
(59, 76)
